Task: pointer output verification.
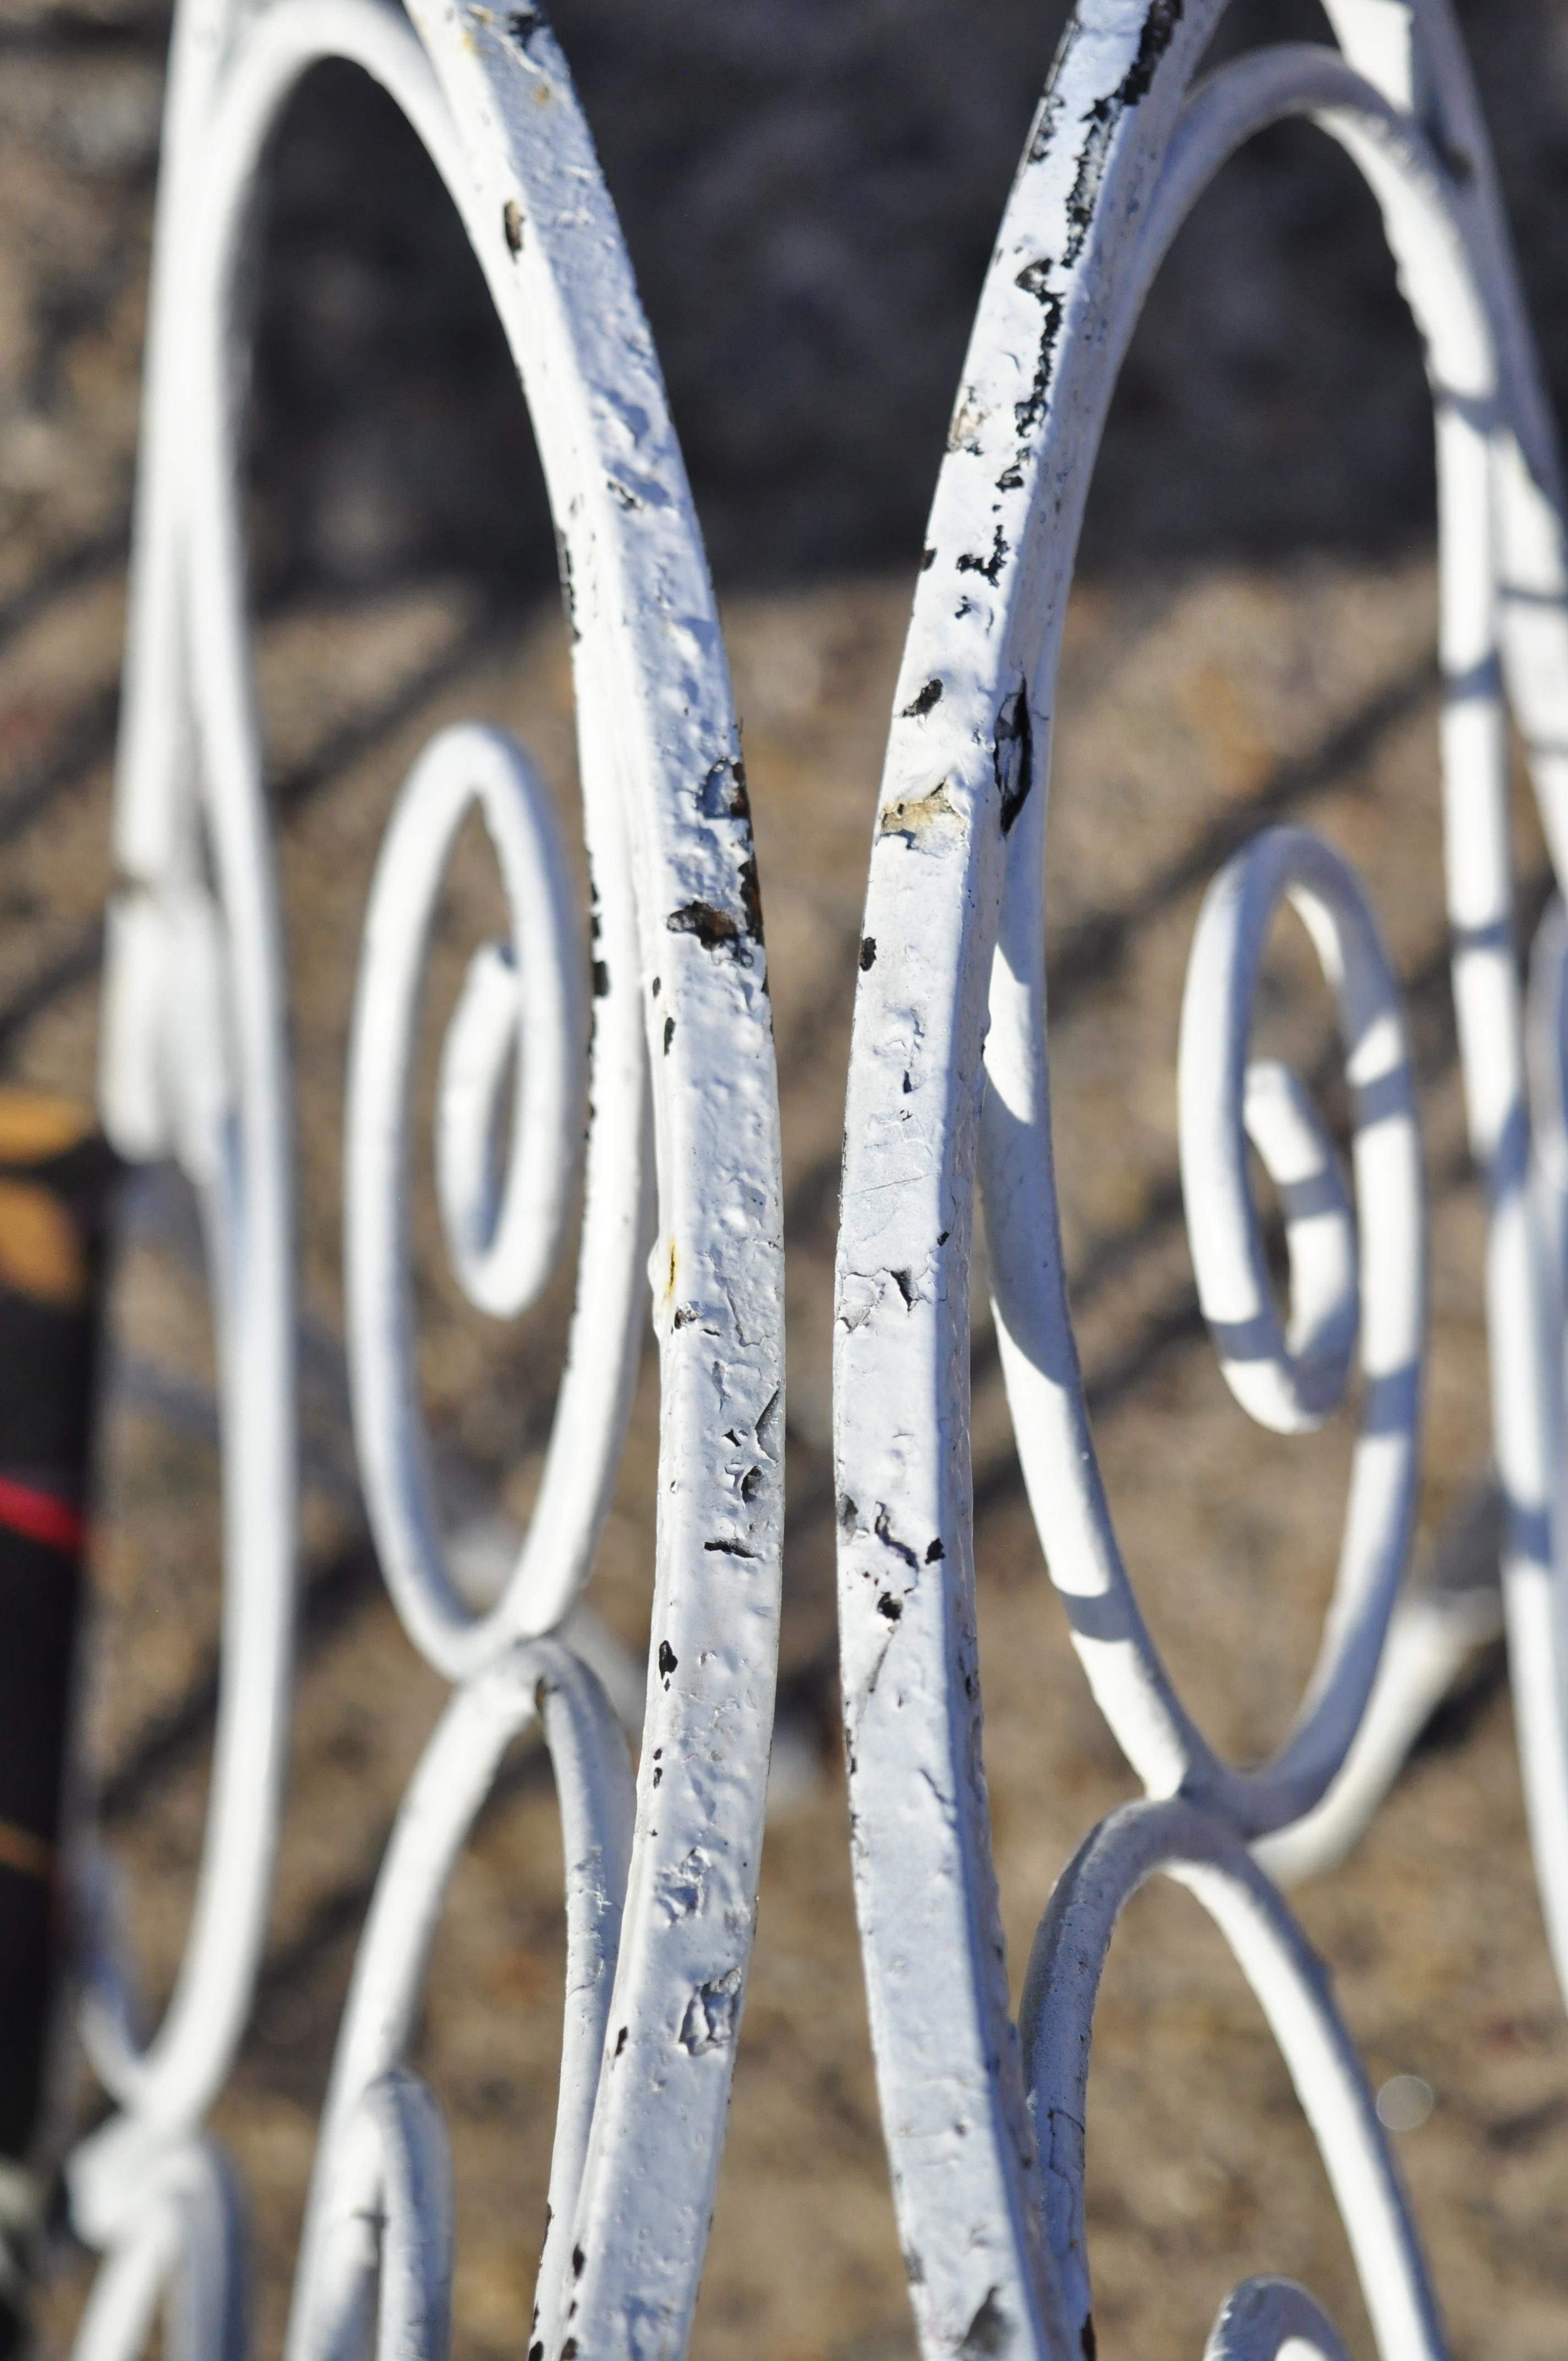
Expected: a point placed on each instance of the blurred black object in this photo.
(54, 1177)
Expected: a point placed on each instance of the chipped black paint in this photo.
(923, 699)
(1035, 279)
(669, 1033)
(990, 567)
(751, 898)
(727, 1549)
(601, 980)
(668, 1659)
(511, 226)
(883, 1531)
(928, 559)
(715, 929)
(1159, 31)
(868, 952)
(892, 1608)
(900, 1278)
(1015, 758)
(935, 1554)
(1091, 172)
(849, 1513)
(723, 793)
(578, 2259)
(621, 2040)
(524, 23)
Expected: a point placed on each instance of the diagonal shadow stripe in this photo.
(88, 742)
(67, 570)
(74, 965)
(485, 635)
(1091, 950)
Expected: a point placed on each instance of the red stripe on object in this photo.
(40, 1516)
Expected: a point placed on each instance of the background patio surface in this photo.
(810, 196)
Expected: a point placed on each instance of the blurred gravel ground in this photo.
(1252, 641)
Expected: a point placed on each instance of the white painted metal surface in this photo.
(949, 1096)
(680, 1191)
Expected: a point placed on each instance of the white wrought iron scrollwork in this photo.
(682, 1149)
(950, 1091)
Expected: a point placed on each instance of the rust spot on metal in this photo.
(751, 898)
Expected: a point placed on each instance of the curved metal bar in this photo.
(392, 2221)
(1033, 1317)
(454, 1779)
(185, 2250)
(950, 1081)
(1272, 2320)
(528, 998)
(1291, 1383)
(1176, 1839)
(192, 1064)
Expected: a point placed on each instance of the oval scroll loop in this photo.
(1365, 1279)
(1263, 2319)
(519, 1027)
(1293, 1382)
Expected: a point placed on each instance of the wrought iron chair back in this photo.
(673, 1060)
(949, 1096)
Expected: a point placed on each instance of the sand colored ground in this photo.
(1201, 699)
